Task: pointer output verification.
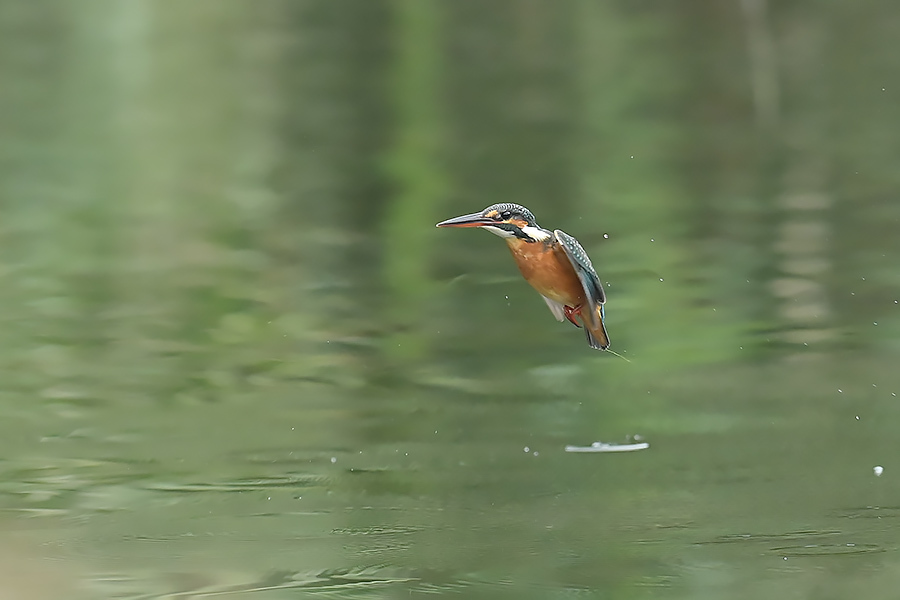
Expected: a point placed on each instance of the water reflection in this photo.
(238, 360)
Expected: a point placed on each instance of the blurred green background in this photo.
(238, 359)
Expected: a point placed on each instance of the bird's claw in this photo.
(570, 313)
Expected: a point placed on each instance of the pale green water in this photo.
(239, 361)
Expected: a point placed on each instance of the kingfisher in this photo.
(553, 262)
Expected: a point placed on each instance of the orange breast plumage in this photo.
(549, 271)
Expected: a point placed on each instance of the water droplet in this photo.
(878, 471)
(334, 459)
(606, 236)
(526, 449)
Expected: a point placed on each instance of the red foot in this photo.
(570, 314)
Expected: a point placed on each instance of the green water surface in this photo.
(239, 361)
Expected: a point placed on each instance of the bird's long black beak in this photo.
(472, 220)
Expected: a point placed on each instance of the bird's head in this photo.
(506, 220)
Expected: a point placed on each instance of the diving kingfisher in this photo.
(553, 262)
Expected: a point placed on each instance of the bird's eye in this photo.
(506, 214)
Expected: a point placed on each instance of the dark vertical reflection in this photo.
(413, 165)
(333, 124)
(510, 91)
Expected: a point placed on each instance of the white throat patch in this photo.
(497, 231)
(536, 233)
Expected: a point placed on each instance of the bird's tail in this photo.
(596, 332)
